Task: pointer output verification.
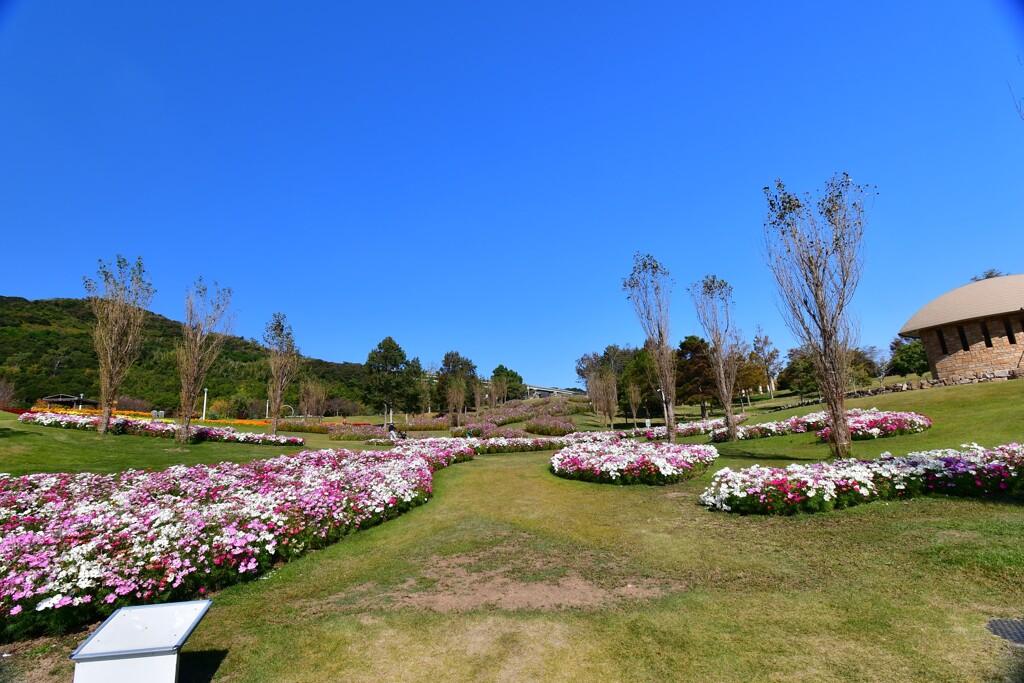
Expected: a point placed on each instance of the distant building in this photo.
(68, 401)
(973, 330)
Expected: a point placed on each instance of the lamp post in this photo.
(205, 391)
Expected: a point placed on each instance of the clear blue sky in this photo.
(477, 175)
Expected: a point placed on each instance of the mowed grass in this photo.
(512, 574)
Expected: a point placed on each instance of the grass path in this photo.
(511, 574)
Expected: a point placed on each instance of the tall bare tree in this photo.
(479, 394)
(313, 397)
(634, 394)
(455, 392)
(119, 299)
(602, 385)
(814, 250)
(284, 362)
(712, 298)
(499, 387)
(207, 320)
(766, 356)
(649, 288)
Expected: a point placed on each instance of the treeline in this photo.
(625, 380)
(46, 348)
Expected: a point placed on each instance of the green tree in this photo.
(390, 381)
(515, 387)
(455, 368)
(908, 358)
(799, 375)
(695, 380)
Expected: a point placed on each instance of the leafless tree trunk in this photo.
(479, 395)
(200, 344)
(712, 298)
(649, 287)
(284, 362)
(6, 393)
(456, 395)
(120, 310)
(499, 387)
(633, 394)
(603, 390)
(814, 249)
(313, 398)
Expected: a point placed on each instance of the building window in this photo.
(1009, 329)
(984, 332)
(963, 338)
(942, 342)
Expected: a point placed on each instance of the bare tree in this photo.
(284, 362)
(766, 356)
(479, 394)
(6, 393)
(814, 250)
(603, 390)
(456, 395)
(634, 394)
(119, 301)
(649, 287)
(499, 387)
(207, 320)
(712, 298)
(313, 397)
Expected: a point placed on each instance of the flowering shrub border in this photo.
(167, 430)
(74, 547)
(864, 424)
(549, 425)
(632, 462)
(688, 428)
(974, 471)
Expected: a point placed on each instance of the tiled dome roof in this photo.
(984, 298)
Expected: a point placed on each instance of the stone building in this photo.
(974, 330)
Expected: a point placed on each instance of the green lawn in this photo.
(512, 574)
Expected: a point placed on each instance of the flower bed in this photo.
(350, 432)
(864, 424)
(974, 471)
(74, 547)
(549, 425)
(632, 462)
(124, 425)
(876, 424)
(487, 430)
(689, 428)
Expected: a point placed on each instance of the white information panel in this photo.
(138, 642)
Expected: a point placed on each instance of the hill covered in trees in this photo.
(46, 348)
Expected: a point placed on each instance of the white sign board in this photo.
(138, 643)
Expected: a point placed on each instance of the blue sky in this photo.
(477, 176)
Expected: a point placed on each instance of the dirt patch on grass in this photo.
(518, 574)
(37, 660)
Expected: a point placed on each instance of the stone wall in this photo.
(979, 359)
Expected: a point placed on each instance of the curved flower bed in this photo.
(73, 547)
(876, 424)
(632, 462)
(549, 425)
(487, 430)
(167, 430)
(864, 424)
(689, 428)
(974, 471)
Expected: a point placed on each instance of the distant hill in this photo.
(46, 348)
